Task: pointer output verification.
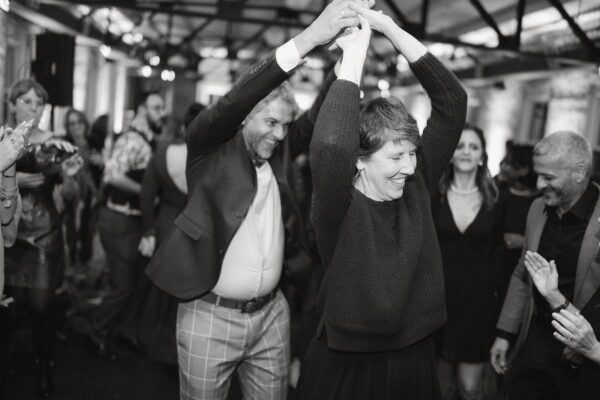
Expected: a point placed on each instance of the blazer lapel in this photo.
(536, 231)
(587, 278)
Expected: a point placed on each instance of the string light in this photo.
(105, 50)
(146, 71)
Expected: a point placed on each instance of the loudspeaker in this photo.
(53, 66)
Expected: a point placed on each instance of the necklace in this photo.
(464, 192)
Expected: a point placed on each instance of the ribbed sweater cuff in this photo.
(342, 87)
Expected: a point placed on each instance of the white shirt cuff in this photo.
(287, 56)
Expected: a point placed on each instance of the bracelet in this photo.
(563, 306)
(9, 221)
(9, 192)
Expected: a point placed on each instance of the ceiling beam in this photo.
(519, 30)
(488, 20)
(424, 16)
(397, 13)
(581, 35)
(178, 11)
(296, 24)
(252, 38)
(192, 35)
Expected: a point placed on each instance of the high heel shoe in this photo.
(45, 386)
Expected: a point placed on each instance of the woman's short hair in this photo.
(23, 86)
(384, 120)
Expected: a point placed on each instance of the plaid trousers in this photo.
(213, 342)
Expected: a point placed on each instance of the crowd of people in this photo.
(339, 252)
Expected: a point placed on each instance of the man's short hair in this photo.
(567, 147)
(143, 97)
(284, 92)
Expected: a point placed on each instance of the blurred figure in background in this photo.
(465, 213)
(78, 221)
(34, 265)
(120, 224)
(164, 180)
(518, 192)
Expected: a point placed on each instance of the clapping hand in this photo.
(543, 274)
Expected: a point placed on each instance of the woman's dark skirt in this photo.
(408, 373)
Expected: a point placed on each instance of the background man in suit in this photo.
(561, 226)
(241, 230)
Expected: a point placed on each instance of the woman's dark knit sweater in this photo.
(383, 288)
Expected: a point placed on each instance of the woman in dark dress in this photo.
(382, 296)
(80, 238)
(34, 265)
(466, 221)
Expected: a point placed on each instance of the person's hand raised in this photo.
(336, 17)
(354, 47)
(377, 19)
(356, 42)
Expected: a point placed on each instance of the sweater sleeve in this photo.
(302, 129)
(333, 153)
(447, 119)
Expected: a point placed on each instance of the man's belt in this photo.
(245, 306)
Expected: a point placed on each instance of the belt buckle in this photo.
(250, 306)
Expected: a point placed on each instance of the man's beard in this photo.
(155, 127)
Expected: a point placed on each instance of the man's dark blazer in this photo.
(221, 186)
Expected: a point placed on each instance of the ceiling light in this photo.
(167, 75)
(5, 5)
(138, 37)
(128, 39)
(164, 75)
(219, 52)
(84, 10)
(154, 61)
(146, 71)
(383, 85)
(105, 50)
